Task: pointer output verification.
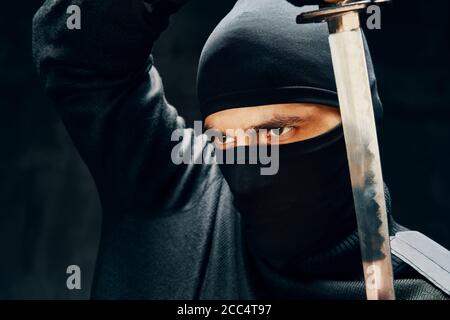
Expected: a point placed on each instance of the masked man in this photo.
(208, 231)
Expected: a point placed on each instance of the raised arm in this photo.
(110, 96)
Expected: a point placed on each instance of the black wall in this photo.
(49, 211)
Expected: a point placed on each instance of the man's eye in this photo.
(223, 140)
(279, 132)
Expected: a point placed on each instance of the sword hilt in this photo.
(333, 14)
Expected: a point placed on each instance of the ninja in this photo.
(218, 231)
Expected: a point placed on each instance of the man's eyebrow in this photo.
(278, 121)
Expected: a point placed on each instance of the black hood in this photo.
(258, 55)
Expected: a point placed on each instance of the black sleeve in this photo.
(110, 96)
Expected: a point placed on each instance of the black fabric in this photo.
(169, 232)
(269, 59)
(304, 208)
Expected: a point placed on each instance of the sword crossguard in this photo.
(341, 8)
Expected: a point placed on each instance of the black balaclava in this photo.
(256, 56)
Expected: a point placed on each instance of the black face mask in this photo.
(306, 207)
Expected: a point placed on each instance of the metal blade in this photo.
(358, 120)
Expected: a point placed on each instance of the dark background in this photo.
(49, 211)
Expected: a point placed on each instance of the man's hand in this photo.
(300, 3)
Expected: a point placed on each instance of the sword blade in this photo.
(356, 105)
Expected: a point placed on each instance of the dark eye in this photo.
(224, 140)
(279, 132)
